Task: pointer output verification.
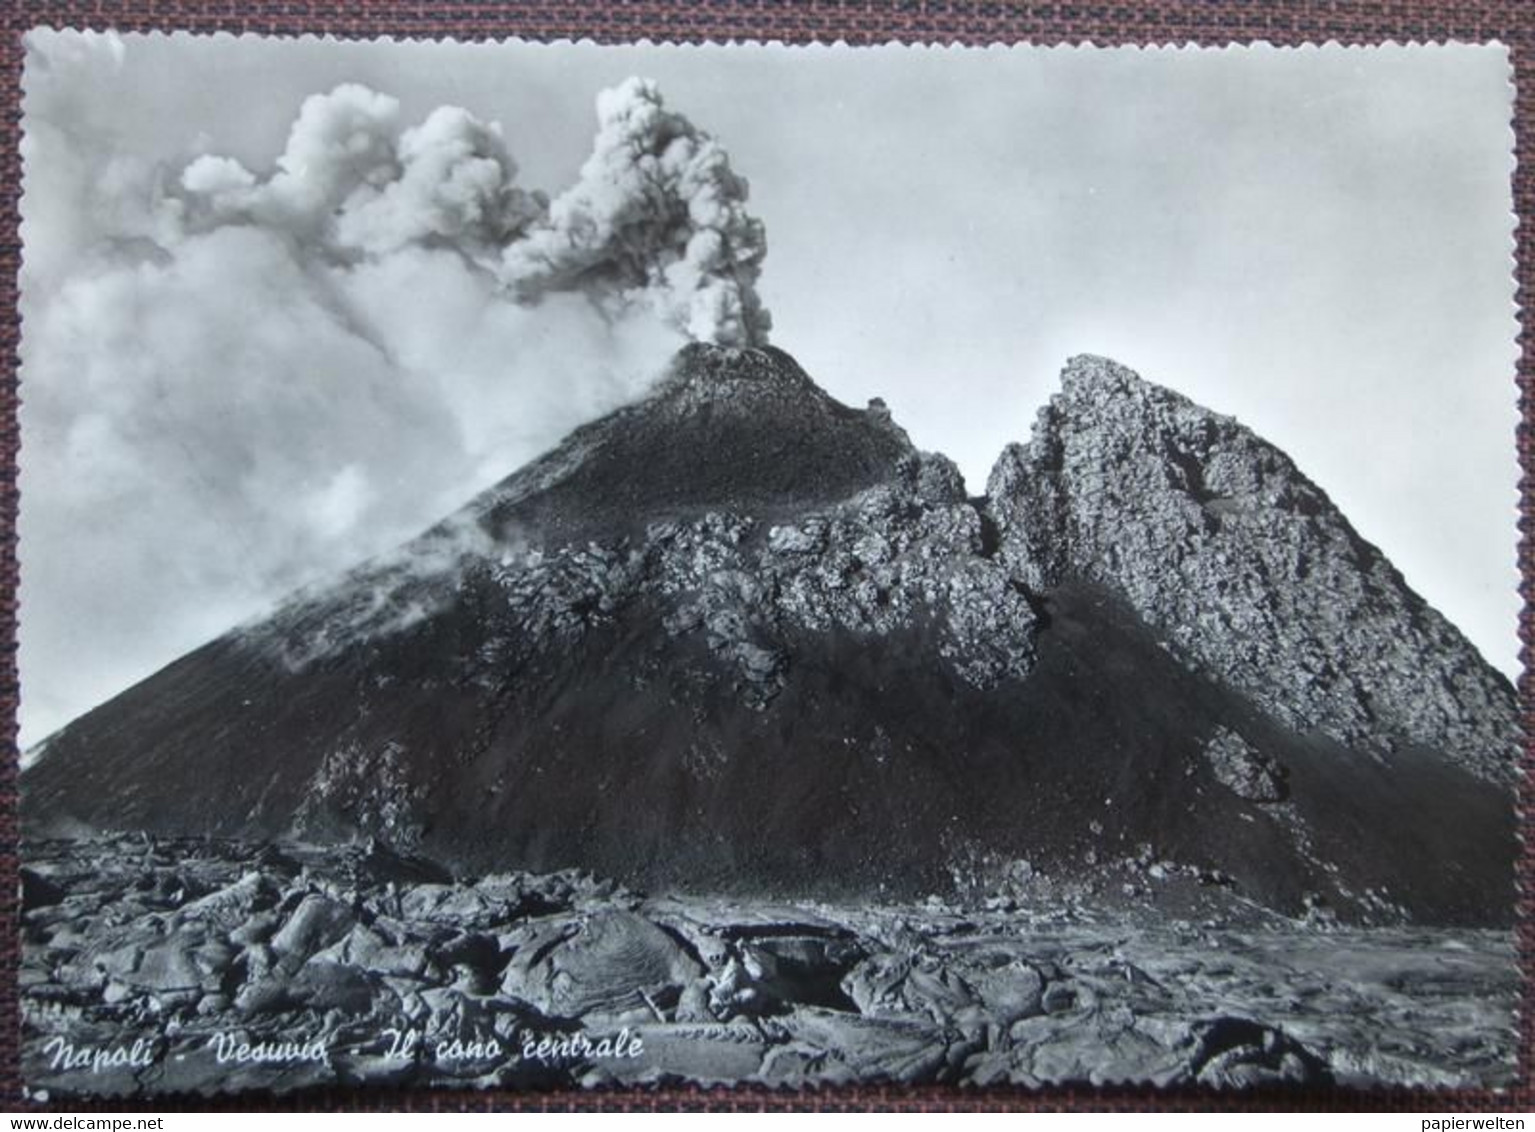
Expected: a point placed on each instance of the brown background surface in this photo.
(1511, 22)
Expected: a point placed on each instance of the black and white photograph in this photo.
(547, 566)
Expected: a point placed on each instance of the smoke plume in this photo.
(656, 221)
(241, 379)
(657, 217)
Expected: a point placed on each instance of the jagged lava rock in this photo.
(723, 989)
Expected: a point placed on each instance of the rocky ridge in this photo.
(1216, 539)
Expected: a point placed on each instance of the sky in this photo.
(220, 403)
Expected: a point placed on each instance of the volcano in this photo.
(740, 638)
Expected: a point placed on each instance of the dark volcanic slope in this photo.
(739, 636)
(745, 430)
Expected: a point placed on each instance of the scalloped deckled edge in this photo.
(1523, 356)
(709, 43)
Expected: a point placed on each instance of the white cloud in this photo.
(247, 381)
(455, 185)
(341, 147)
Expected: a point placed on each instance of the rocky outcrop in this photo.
(905, 551)
(1217, 540)
(1243, 769)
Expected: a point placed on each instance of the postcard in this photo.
(549, 566)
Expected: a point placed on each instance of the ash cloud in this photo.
(656, 221)
(238, 379)
(657, 217)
